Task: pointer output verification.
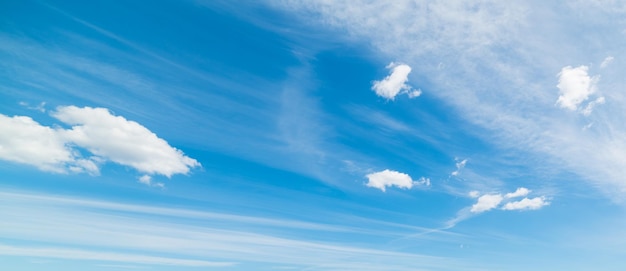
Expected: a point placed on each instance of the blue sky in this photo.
(312, 135)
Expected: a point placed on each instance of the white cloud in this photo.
(94, 255)
(459, 165)
(520, 192)
(486, 203)
(395, 83)
(147, 180)
(458, 45)
(589, 108)
(122, 141)
(388, 178)
(414, 93)
(575, 86)
(473, 194)
(423, 181)
(526, 204)
(491, 201)
(107, 137)
(41, 107)
(606, 62)
(25, 141)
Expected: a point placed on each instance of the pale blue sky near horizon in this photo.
(312, 135)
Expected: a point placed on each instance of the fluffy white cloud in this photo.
(24, 140)
(388, 178)
(491, 201)
(575, 86)
(107, 137)
(520, 192)
(486, 203)
(526, 204)
(122, 141)
(395, 82)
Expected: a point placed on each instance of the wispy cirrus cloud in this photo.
(460, 164)
(83, 229)
(92, 255)
(469, 51)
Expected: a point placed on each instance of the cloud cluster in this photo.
(395, 83)
(576, 86)
(491, 201)
(388, 178)
(96, 131)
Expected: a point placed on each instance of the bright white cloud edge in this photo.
(395, 83)
(491, 201)
(388, 178)
(575, 86)
(106, 136)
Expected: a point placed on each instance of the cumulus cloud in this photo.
(486, 203)
(122, 141)
(491, 201)
(575, 86)
(520, 192)
(106, 136)
(526, 204)
(24, 140)
(395, 83)
(389, 178)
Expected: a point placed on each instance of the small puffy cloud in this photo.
(388, 178)
(414, 93)
(575, 86)
(520, 192)
(606, 62)
(147, 180)
(24, 140)
(122, 141)
(491, 201)
(526, 204)
(459, 165)
(395, 83)
(486, 203)
(96, 130)
(473, 194)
